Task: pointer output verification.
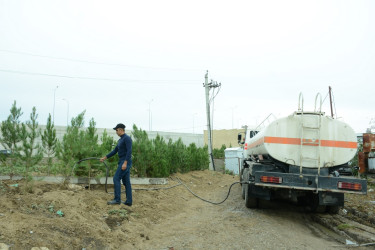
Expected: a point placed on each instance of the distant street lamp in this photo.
(232, 114)
(67, 112)
(54, 98)
(194, 122)
(149, 115)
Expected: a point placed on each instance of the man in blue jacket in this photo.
(124, 150)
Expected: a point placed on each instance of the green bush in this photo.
(79, 143)
(11, 131)
(156, 158)
(151, 158)
(141, 152)
(219, 153)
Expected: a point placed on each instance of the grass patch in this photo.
(344, 226)
(230, 172)
(120, 212)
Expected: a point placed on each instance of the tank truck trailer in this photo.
(299, 157)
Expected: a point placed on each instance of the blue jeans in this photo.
(123, 175)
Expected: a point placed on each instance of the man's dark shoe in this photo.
(113, 202)
(126, 203)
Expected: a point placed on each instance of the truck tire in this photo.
(244, 178)
(312, 205)
(250, 201)
(241, 176)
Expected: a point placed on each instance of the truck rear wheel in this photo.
(312, 204)
(250, 200)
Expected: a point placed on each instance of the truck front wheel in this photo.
(244, 178)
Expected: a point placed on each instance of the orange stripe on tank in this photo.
(338, 144)
(282, 140)
(256, 143)
(305, 142)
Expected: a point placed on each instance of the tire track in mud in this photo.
(348, 228)
(339, 229)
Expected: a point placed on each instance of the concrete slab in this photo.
(85, 180)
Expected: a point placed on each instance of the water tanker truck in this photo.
(299, 157)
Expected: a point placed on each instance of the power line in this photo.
(98, 79)
(94, 62)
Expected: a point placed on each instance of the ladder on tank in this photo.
(310, 136)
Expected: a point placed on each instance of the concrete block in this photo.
(85, 180)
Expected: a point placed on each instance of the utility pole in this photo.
(330, 99)
(207, 87)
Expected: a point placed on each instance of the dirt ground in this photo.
(59, 217)
(362, 207)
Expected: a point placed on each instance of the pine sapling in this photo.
(49, 142)
(10, 130)
(31, 153)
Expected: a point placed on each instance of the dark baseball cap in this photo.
(120, 125)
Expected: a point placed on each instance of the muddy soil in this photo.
(59, 217)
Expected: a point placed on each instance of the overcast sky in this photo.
(115, 59)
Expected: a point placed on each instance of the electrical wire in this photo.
(94, 62)
(334, 103)
(212, 100)
(189, 82)
(212, 129)
(325, 97)
(214, 95)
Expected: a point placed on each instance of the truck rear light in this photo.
(245, 146)
(271, 179)
(349, 185)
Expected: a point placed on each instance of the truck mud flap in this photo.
(331, 199)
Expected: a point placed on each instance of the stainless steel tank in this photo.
(308, 139)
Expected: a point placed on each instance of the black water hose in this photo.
(159, 188)
(211, 202)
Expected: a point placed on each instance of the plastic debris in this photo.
(351, 243)
(344, 211)
(14, 185)
(60, 213)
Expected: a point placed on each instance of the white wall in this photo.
(187, 138)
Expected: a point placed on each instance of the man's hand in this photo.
(103, 158)
(125, 165)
